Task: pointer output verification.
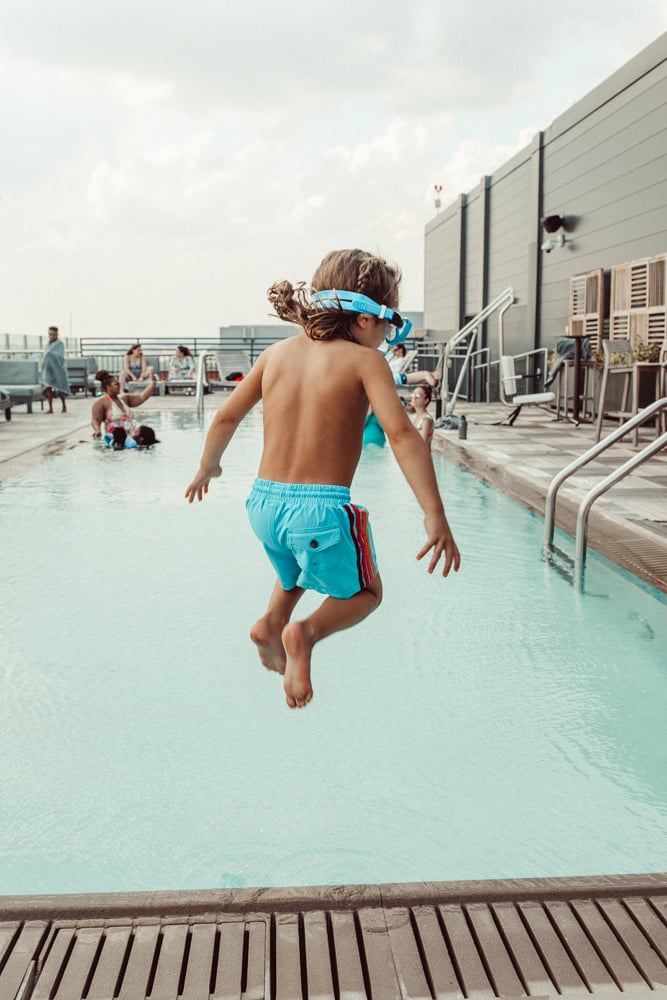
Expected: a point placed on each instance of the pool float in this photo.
(373, 433)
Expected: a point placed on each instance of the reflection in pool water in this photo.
(495, 724)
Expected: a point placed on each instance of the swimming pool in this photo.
(495, 724)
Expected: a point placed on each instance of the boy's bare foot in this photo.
(269, 644)
(298, 689)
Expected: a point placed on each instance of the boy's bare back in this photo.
(315, 401)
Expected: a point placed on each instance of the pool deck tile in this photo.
(601, 936)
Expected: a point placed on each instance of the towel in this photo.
(54, 373)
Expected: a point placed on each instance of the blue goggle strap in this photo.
(355, 302)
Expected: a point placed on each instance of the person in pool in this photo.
(421, 418)
(316, 388)
(112, 415)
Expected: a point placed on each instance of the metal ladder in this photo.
(600, 488)
(505, 299)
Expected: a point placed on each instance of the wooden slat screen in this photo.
(587, 306)
(638, 305)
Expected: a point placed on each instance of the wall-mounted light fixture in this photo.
(552, 223)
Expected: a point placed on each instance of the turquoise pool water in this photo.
(496, 724)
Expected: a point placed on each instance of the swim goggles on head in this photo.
(355, 302)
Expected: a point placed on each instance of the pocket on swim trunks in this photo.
(315, 552)
(313, 541)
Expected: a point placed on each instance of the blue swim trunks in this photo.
(314, 536)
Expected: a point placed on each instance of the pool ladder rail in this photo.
(200, 382)
(468, 333)
(600, 488)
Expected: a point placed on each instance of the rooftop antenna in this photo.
(438, 190)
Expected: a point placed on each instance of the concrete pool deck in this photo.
(604, 936)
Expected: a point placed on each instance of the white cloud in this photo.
(168, 162)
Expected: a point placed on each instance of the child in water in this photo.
(316, 388)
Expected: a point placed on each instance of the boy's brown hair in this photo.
(345, 270)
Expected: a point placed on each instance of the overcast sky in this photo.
(164, 162)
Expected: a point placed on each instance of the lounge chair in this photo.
(139, 386)
(180, 386)
(20, 380)
(509, 383)
(510, 378)
(405, 362)
(6, 404)
(81, 374)
(232, 365)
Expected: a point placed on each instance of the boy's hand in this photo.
(440, 539)
(199, 485)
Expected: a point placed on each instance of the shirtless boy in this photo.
(316, 388)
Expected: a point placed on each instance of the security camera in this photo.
(550, 245)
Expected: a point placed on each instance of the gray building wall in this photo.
(602, 166)
(441, 273)
(511, 240)
(473, 252)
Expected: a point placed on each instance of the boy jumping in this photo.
(316, 388)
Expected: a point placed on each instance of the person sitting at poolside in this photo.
(182, 365)
(420, 416)
(112, 412)
(396, 359)
(135, 368)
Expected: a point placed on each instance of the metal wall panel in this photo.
(607, 175)
(474, 255)
(441, 279)
(604, 168)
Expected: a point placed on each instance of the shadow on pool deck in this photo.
(603, 936)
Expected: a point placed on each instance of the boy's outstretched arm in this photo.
(416, 464)
(224, 424)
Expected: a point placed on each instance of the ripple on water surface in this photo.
(494, 724)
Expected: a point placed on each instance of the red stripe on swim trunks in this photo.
(365, 562)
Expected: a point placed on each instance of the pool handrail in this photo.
(468, 330)
(615, 476)
(201, 379)
(581, 538)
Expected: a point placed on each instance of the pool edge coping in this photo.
(192, 903)
(621, 540)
